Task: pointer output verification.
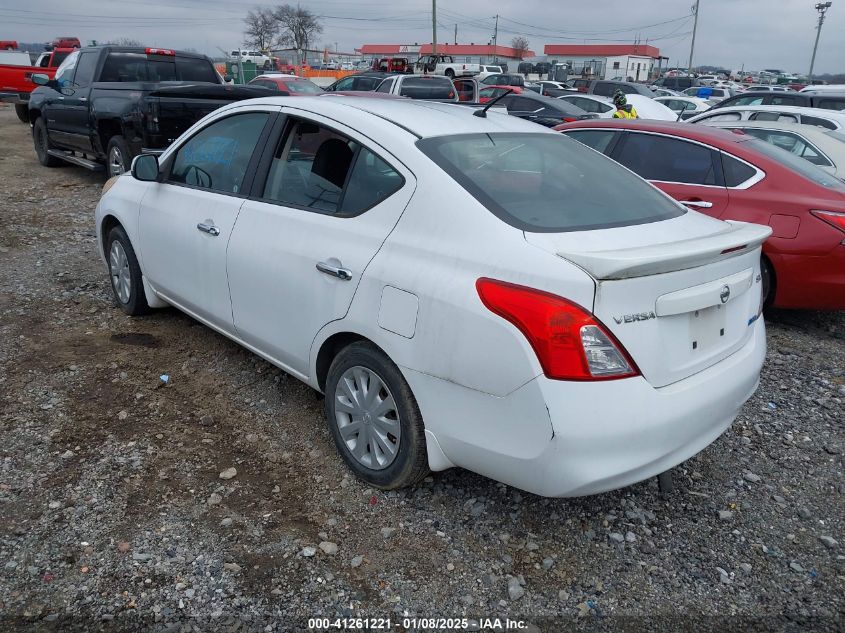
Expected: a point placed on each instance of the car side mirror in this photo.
(228, 79)
(40, 79)
(145, 168)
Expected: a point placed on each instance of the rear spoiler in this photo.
(737, 238)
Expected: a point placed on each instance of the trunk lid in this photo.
(680, 295)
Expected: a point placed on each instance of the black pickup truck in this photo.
(108, 104)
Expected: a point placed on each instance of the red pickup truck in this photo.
(8, 45)
(16, 84)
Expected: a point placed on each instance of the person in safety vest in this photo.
(623, 109)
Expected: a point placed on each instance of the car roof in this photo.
(421, 118)
(787, 126)
(704, 133)
(816, 112)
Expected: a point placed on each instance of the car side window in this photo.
(781, 99)
(217, 157)
(813, 120)
(599, 140)
(667, 159)
(345, 83)
(748, 101)
(316, 168)
(791, 143)
(727, 116)
(522, 104)
(736, 172)
(385, 85)
(832, 104)
(603, 89)
(85, 69)
(64, 73)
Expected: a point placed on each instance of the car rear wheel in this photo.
(119, 157)
(42, 144)
(22, 110)
(769, 282)
(125, 274)
(374, 418)
(450, 73)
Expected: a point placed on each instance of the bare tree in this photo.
(520, 46)
(262, 28)
(124, 41)
(297, 26)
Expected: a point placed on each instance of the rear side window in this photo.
(667, 159)
(303, 87)
(781, 99)
(774, 116)
(792, 143)
(385, 86)
(599, 140)
(736, 172)
(727, 116)
(430, 87)
(758, 100)
(832, 104)
(316, 168)
(812, 120)
(798, 165)
(604, 89)
(132, 67)
(217, 157)
(546, 182)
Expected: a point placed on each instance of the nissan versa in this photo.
(467, 290)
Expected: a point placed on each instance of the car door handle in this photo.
(341, 273)
(208, 228)
(698, 204)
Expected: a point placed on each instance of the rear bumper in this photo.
(815, 283)
(564, 439)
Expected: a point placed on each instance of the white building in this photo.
(634, 62)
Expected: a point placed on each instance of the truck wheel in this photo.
(118, 156)
(42, 144)
(22, 110)
(450, 73)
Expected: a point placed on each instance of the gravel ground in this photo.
(217, 502)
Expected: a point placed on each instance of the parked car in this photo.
(108, 104)
(445, 65)
(808, 116)
(468, 89)
(16, 78)
(579, 84)
(824, 88)
(550, 319)
(665, 92)
(487, 70)
(427, 87)
(254, 57)
(768, 88)
(551, 88)
(715, 95)
(601, 106)
(648, 108)
(677, 83)
(64, 42)
(360, 82)
(738, 177)
(546, 111)
(292, 85)
(828, 100)
(606, 88)
(823, 148)
(504, 79)
(392, 65)
(8, 45)
(686, 107)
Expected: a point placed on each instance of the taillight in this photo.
(160, 51)
(570, 343)
(834, 218)
(569, 119)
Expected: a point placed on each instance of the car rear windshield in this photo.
(303, 87)
(801, 166)
(131, 67)
(430, 87)
(547, 182)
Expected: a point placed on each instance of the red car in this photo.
(294, 86)
(491, 92)
(733, 176)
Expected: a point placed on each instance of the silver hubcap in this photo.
(116, 162)
(121, 279)
(367, 418)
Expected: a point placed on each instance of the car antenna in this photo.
(483, 112)
(681, 113)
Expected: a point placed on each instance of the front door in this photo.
(328, 200)
(186, 220)
(56, 114)
(689, 172)
(76, 102)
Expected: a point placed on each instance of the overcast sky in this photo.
(755, 34)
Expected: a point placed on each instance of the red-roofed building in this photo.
(636, 62)
(464, 53)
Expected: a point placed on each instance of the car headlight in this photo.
(109, 184)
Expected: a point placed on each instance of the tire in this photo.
(769, 281)
(450, 73)
(42, 144)
(118, 156)
(22, 110)
(125, 274)
(363, 362)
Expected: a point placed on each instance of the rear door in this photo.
(688, 171)
(325, 200)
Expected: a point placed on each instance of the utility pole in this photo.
(434, 27)
(456, 34)
(822, 8)
(496, 41)
(694, 28)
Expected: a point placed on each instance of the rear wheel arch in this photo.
(770, 284)
(329, 349)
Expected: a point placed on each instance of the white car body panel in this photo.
(648, 108)
(415, 258)
(789, 113)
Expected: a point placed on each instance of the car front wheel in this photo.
(125, 273)
(42, 144)
(118, 155)
(374, 418)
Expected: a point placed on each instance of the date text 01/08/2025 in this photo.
(416, 624)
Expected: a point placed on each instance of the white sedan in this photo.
(602, 106)
(467, 290)
(685, 106)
